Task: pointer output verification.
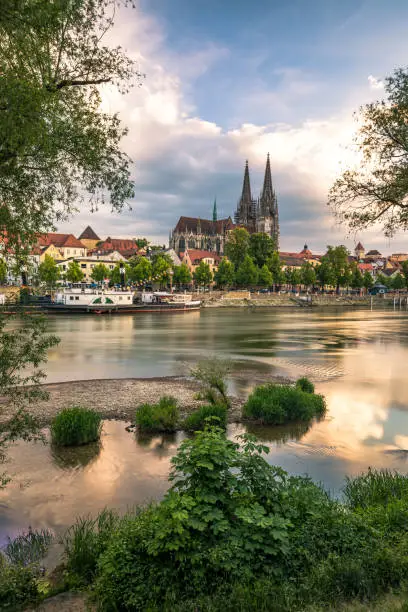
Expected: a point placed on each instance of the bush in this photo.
(279, 404)
(197, 420)
(212, 375)
(76, 426)
(304, 384)
(18, 586)
(84, 542)
(163, 416)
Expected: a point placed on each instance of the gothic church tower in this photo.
(246, 210)
(268, 215)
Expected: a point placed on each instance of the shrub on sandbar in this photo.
(197, 420)
(163, 416)
(273, 404)
(76, 426)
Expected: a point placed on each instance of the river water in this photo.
(357, 358)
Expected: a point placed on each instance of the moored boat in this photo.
(99, 301)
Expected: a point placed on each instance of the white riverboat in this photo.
(86, 299)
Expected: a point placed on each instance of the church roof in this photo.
(359, 247)
(89, 234)
(190, 224)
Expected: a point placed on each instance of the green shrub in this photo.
(375, 487)
(212, 375)
(76, 426)
(84, 542)
(163, 416)
(18, 586)
(198, 419)
(279, 404)
(304, 384)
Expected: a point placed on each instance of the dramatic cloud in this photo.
(375, 83)
(183, 160)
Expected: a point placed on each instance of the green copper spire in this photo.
(215, 210)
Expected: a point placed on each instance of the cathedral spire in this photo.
(246, 187)
(267, 190)
(215, 216)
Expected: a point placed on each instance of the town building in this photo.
(126, 247)
(66, 244)
(89, 238)
(87, 264)
(193, 257)
(259, 215)
(359, 251)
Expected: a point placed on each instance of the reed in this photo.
(161, 417)
(76, 426)
(199, 418)
(375, 488)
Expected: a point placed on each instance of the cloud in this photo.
(183, 160)
(375, 83)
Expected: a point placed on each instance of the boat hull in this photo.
(100, 309)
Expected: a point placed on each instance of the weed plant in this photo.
(76, 426)
(274, 404)
(28, 548)
(161, 417)
(375, 488)
(304, 384)
(199, 418)
(212, 376)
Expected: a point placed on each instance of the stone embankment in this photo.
(219, 299)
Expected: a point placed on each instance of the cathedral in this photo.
(255, 215)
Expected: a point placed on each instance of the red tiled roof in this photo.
(198, 255)
(118, 244)
(59, 240)
(363, 267)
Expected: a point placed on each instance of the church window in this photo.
(182, 244)
(191, 243)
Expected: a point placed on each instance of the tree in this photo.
(58, 145)
(384, 280)
(265, 277)
(225, 275)
(398, 282)
(404, 266)
(140, 270)
(261, 247)
(237, 246)
(74, 273)
(100, 272)
(182, 275)
(115, 275)
(296, 277)
(3, 271)
(357, 279)
(247, 273)
(48, 271)
(162, 265)
(203, 275)
(368, 280)
(377, 191)
(22, 349)
(338, 259)
(325, 273)
(275, 266)
(307, 274)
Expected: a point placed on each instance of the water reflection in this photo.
(66, 457)
(280, 434)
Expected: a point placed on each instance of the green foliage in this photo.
(74, 273)
(265, 277)
(163, 416)
(161, 268)
(225, 275)
(212, 375)
(404, 266)
(3, 271)
(203, 275)
(18, 586)
(115, 275)
(307, 274)
(325, 273)
(368, 280)
(247, 273)
(182, 275)
(140, 270)
(398, 281)
(357, 280)
(274, 404)
(48, 271)
(375, 488)
(76, 426)
(213, 413)
(28, 548)
(84, 542)
(100, 272)
(58, 145)
(237, 246)
(304, 384)
(261, 248)
(275, 266)
(376, 191)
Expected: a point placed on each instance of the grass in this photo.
(375, 488)
(76, 426)
(304, 384)
(274, 404)
(28, 548)
(198, 419)
(161, 417)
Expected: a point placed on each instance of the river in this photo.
(357, 358)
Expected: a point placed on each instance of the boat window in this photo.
(120, 297)
(77, 297)
(71, 297)
(83, 265)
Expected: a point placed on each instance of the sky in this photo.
(232, 80)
